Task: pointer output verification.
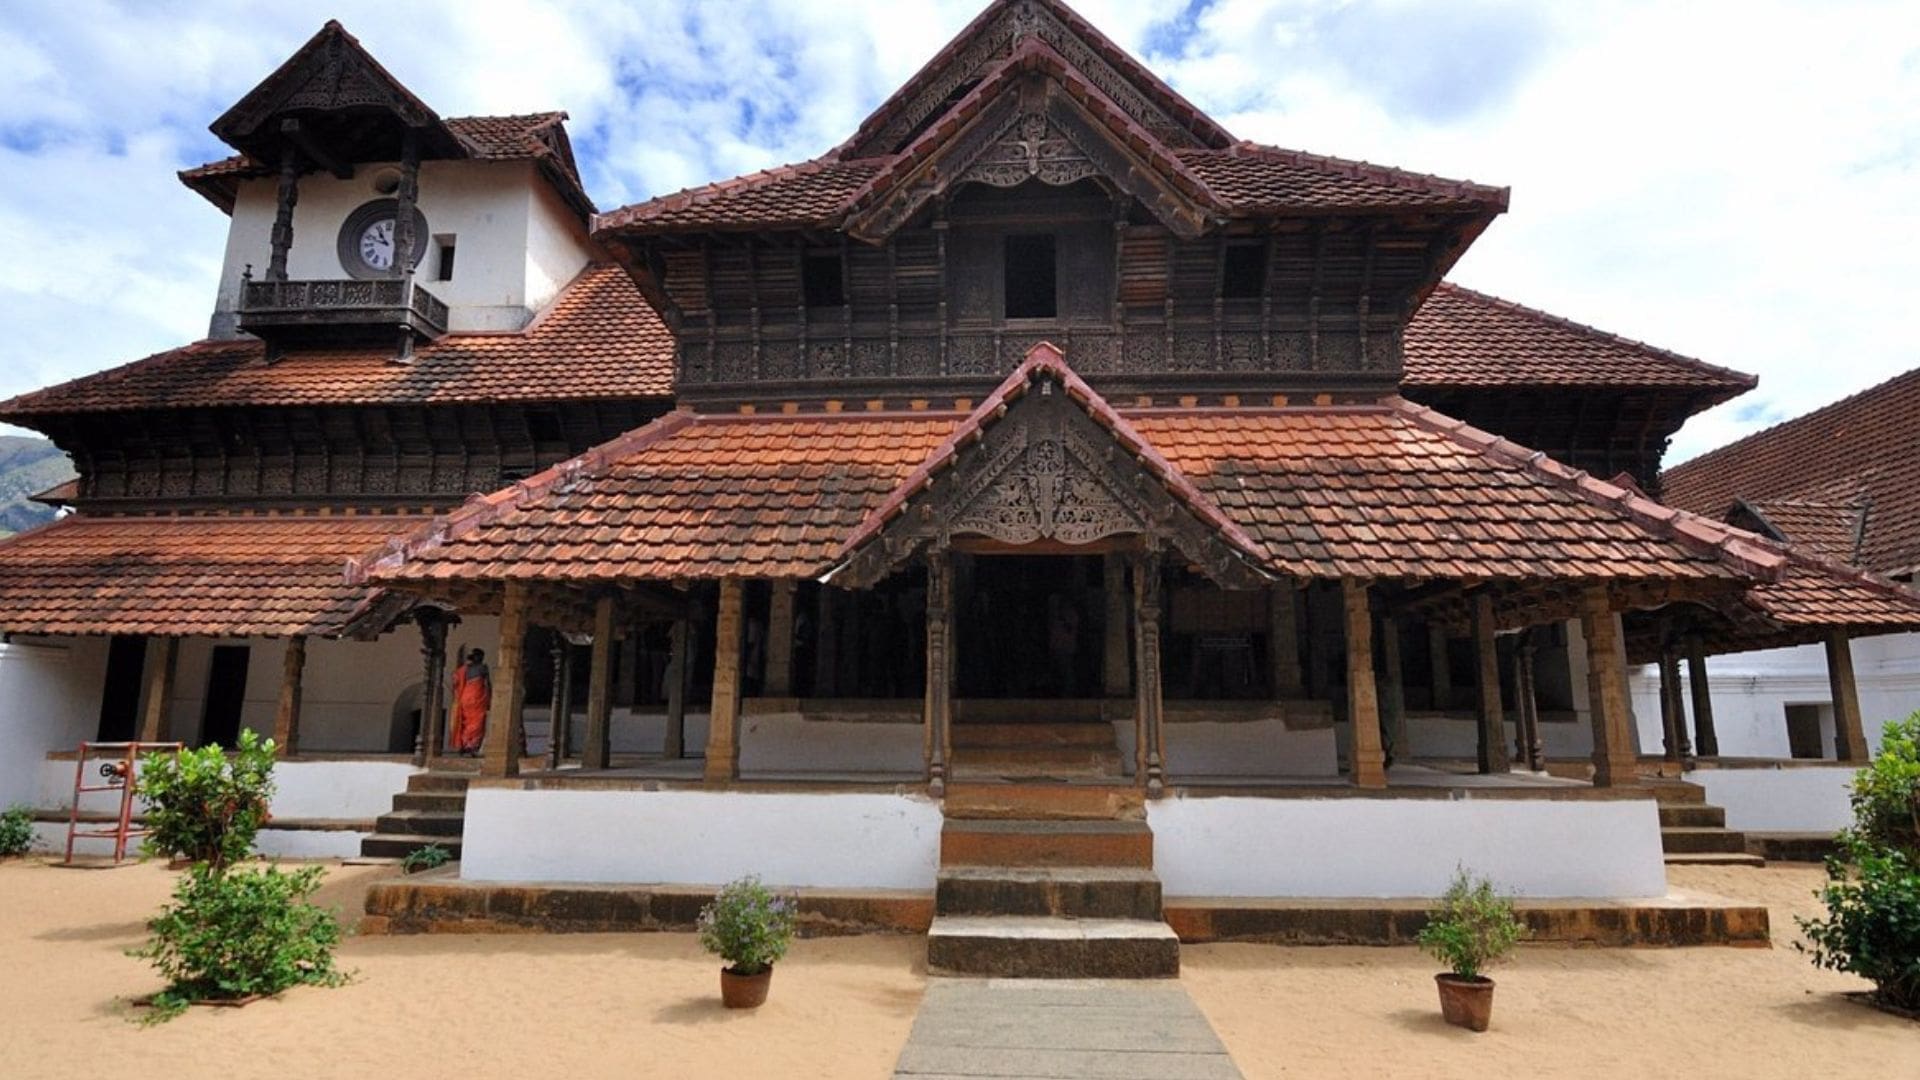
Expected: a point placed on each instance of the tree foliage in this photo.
(234, 934)
(206, 806)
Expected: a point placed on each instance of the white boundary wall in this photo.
(1781, 800)
(838, 840)
(1361, 847)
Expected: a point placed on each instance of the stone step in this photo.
(1692, 816)
(1811, 847)
(1713, 858)
(421, 823)
(444, 802)
(1701, 841)
(1045, 802)
(1076, 892)
(1038, 736)
(1046, 843)
(981, 764)
(1020, 947)
(1674, 792)
(399, 845)
(440, 781)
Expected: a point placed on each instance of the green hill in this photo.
(28, 467)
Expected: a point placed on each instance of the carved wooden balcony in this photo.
(341, 311)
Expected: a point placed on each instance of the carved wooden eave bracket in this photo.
(1034, 118)
(1045, 460)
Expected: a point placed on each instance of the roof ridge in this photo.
(481, 510)
(1752, 554)
(1719, 452)
(1588, 330)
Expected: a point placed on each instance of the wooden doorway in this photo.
(226, 696)
(120, 697)
(1030, 627)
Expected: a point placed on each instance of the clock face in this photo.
(376, 244)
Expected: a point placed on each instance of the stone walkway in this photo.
(1012, 1029)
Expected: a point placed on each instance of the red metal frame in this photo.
(121, 759)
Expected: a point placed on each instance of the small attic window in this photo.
(1243, 270)
(1032, 281)
(544, 426)
(823, 280)
(443, 265)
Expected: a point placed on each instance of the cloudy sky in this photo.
(1736, 181)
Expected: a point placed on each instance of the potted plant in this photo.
(1473, 927)
(750, 928)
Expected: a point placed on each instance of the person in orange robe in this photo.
(472, 698)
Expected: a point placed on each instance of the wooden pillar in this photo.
(679, 674)
(1149, 704)
(1369, 767)
(1706, 740)
(826, 645)
(723, 714)
(1849, 734)
(1441, 677)
(939, 690)
(1283, 643)
(560, 714)
(1532, 753)
(1393, 695)
(160, 671)
(1613, 758)
(286, 719)
(1492, 757)
(1673, 709)
(779, 680)
(429, 738)
(1114, 680)
(280, 240)
(506, 733)
(598, 752)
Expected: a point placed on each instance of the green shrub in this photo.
(430, 857)
(16, 830)
(240, 933)
(204, 806)
(1872, 928)
(1886, 794)
(1473, 926)
(748, 926)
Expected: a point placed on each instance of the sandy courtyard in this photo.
(646, 1005)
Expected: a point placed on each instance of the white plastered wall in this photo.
(517, 243)
(50, 692)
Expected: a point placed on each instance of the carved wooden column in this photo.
(598, 752)
(560, 712)
(1707, 740)
(1149, 705)
(1283, 642)
(1673, 710)
(679, 674)
(1369, 766)
(1849, 735)
(779, 680)
(288, 196)
(1393, 694)
(723, 714)
(160, 672)
(286, 719)
(1613, 757)
(429, 738)
(1113, 671)
(939, 690)
(1441, 676)
(1492, 756)
(1531, 752)
(500, 754)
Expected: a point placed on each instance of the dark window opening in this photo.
(823, 281)
(544, 427)
(1031, 278)
(446, 260)
(1243, 272)
(226, 696)
(120, 698)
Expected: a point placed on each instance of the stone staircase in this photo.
(1694, 833)
(1048, 880)
(1043, 750)
(433, 810)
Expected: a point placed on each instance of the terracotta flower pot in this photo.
(744, 991)
(1466, 1002)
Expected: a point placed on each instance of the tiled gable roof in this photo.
(598, 340)
(230, 575)
(1861, 448)
(1252, 178)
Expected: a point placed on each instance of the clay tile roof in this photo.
(1249, 178)
(597, 340)
(222, 576)
(1465, 339)
(1861, 449)
(1830, 528)
(807, 195)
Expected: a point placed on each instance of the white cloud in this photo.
(1730, 180)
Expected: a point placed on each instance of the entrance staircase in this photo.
(433, 810)
(1695, 833)
(1046, 860)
